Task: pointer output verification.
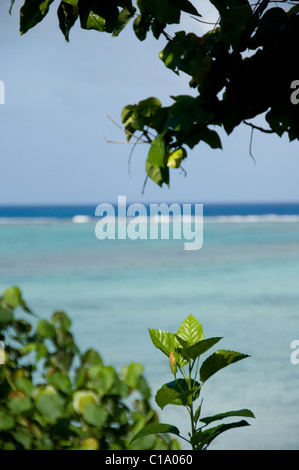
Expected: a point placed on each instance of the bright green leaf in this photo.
(45, 329)
(12, 297)
(190, 330)
(156, 154)
(163, 340)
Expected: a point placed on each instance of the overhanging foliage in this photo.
(242, 68)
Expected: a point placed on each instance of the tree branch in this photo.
(261, 129)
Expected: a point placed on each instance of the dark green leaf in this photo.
(6, 316)
(202, 439)
(217, 361)
(194, 351)
(123, 19)
(210, 137)
(101, 16)
(67, 15)
(11, 5)
(141, 26)
(233, 23)
(244, 413)
(176, 392)
(186, 6)
(159, 428)
(32, 12)
(6, 421)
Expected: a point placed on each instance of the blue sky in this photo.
(53, 124)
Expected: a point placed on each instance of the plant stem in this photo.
(191, 406)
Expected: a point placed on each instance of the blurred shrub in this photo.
(53, 397)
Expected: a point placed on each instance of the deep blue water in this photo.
(210, 210)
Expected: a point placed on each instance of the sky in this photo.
(54, 123)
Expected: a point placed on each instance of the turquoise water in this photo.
(242, 285)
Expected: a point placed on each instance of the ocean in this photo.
(242, 285)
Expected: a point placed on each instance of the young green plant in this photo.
(184, 349)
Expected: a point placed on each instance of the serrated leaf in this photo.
(191, 330)
(218, 361)
(163, 340)
(159, 428)
(194, 351)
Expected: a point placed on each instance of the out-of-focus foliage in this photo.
(54, 397)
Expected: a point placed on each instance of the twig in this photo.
(183, 171)
(250, 145)
(125, 130)
(266, 131)
(201, 21)
(124, 142)
(144, 184)
(169, 38)
(130, 157)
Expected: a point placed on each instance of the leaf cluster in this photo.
(54, 397)
(240, 69)
(184, 350)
